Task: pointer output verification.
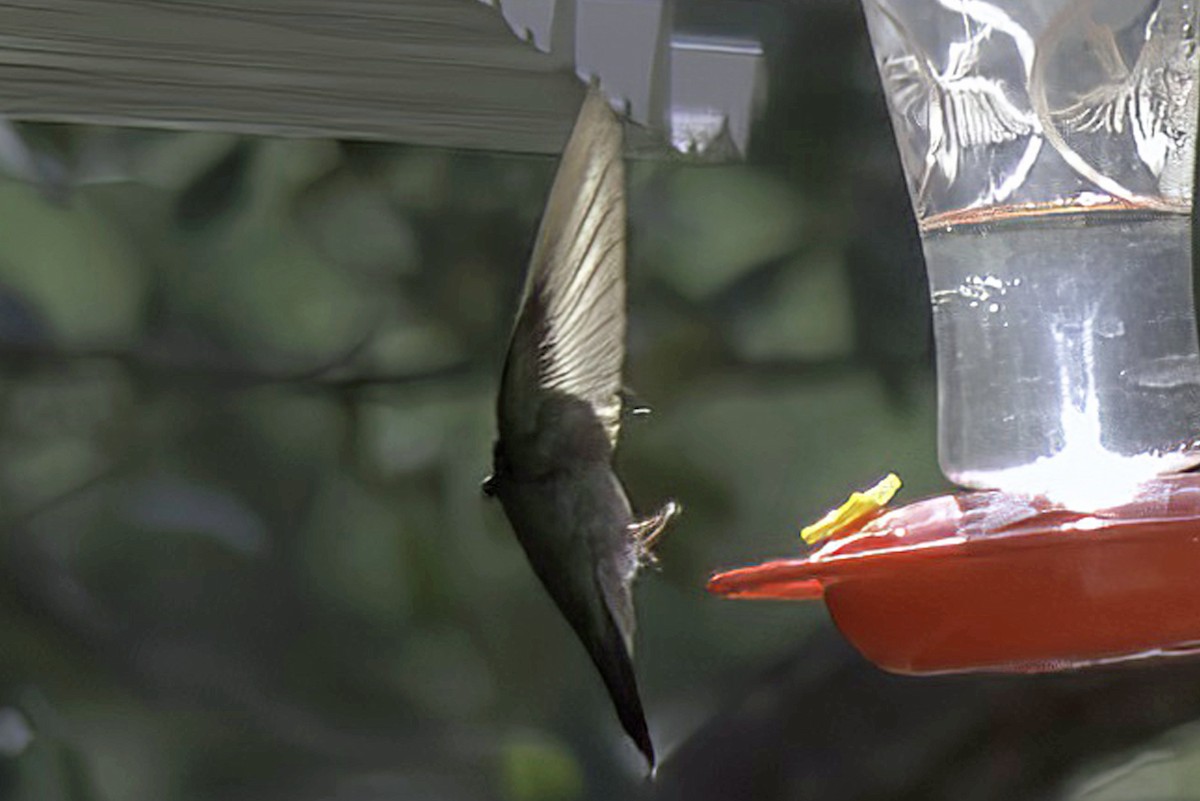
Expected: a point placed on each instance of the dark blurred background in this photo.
(246, 398)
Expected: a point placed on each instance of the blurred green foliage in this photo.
(247, 402)
(244, 430)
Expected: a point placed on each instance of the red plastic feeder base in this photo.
(996, 582)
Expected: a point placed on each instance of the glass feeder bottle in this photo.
(1048, 148)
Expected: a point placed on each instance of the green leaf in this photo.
(539, 770)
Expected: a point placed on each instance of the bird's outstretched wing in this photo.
(959, 111)
(568, 346)
(982, 114)
(1155, 99)
(1139, 100)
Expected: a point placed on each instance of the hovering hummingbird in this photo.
(560, 409)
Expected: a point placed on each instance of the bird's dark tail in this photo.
(613, 661)
(589, 611)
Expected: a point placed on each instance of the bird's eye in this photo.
(489, 486)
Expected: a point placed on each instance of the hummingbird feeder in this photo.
(1049, 151)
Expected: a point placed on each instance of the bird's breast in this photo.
(583, 510)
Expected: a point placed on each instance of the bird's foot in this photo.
(646, 533)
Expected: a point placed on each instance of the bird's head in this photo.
(499, 470)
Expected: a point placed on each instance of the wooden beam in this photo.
(448, 73)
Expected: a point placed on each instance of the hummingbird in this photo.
(560, 409)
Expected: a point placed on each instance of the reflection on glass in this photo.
(1048, 149)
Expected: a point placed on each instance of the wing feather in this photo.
(569, 338)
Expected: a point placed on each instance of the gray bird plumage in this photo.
(559, 411)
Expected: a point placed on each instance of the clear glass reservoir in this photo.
(1048, 148)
